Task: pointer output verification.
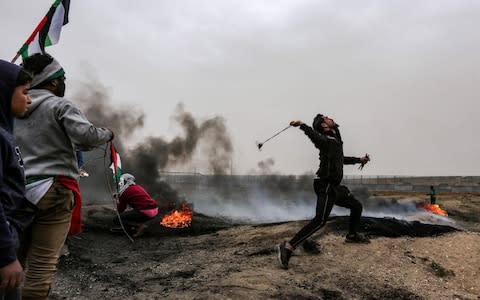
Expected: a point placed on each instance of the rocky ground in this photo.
(217, 259)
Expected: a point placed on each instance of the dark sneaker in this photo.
(284, 254)
(357, 238)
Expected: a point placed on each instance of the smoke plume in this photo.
(266, 166)
(261, 197)
(154, 154)
(158, 152)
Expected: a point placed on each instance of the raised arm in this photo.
(319, 140)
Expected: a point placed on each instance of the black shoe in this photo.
(284, 254)
(357, 238)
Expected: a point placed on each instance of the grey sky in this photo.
(401, 77)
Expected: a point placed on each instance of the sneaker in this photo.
(65, 252)
(83, 173)
(284, 254)
(357, 238)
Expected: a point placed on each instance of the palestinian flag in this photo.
(116, 165)
(48, 30)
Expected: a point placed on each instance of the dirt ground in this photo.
(216, 259)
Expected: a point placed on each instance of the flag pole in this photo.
(46, 21)
(30, 38)
(15, 58)
(113, 153)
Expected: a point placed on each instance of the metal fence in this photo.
(400, 183)
(415, 180)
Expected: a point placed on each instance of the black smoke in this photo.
(156, 153)
(265, 166)
(148, 158)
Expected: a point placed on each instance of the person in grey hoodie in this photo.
(16, 212)
(48, 136)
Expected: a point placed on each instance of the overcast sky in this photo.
(400, 77)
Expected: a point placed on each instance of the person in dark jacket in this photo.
(48, 135)
(15, 211)
(144, 207)
(325, 135)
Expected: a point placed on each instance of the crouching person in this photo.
(48, 135)
(144, 207)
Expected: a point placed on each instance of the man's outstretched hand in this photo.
(365, 159)
(296, 123)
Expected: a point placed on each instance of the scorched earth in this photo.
(219, 259)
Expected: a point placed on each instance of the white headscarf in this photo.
(126, 180)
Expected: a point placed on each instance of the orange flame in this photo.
(181, 218)
(434, 208)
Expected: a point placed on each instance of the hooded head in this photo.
(126, 180)
(47, 72)
(11, 76)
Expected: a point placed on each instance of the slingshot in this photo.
(259, 145)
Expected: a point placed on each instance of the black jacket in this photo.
(331, 154)
(15, 209)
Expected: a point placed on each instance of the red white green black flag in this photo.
(48, 30)
(116, 165)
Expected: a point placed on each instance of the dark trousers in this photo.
(327, 196)
(131, 218)
(80, 162)
(11, 294)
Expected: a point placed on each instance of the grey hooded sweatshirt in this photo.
(51, 131)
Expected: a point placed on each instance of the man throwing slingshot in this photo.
(325, 135)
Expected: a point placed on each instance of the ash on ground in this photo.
(220, 259)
